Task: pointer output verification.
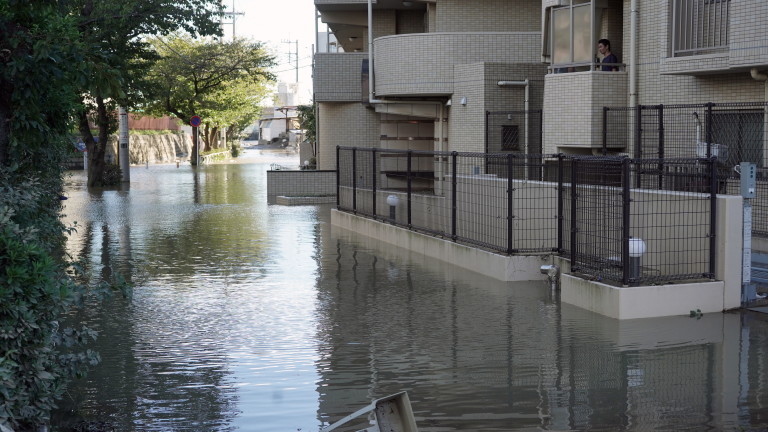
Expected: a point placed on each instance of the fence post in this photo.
(374, 174)
(661, 148)
(625, 212)
(510, 197)
(605, 130)
(338, 177)
(354, 180)
(709, 129)
(712, 216)
(487, 114)
(574, 224)
(639, 132)
(560, 216)
(409, 188)
(454, 163)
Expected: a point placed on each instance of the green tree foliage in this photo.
(118, 56)
(40, 65)
(222, 82)
(306, 114)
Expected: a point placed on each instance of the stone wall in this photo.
(155, 149)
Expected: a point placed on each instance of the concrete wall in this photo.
(166, 148)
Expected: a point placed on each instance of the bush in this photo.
(36, 289)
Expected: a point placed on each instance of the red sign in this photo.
(195, 121)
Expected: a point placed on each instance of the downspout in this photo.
(370, 54)
(757, 76)
(633, 54)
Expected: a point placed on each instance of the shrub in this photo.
(36, 289)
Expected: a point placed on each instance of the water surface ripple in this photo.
(255, 317)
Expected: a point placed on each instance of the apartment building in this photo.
(440, 66)
(673, 52)
(437, 68)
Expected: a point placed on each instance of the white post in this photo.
(125, 163)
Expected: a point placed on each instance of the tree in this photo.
(223, 82)
(306, 115)
(119, 55)
(40, 60)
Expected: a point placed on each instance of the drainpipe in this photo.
(633, 54)
(525, 83)
(757, 76)
(370, 53)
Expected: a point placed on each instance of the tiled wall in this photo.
(301, 183)
(422, 64)
(344, 124)
(749, 35)
(337, 77)
(488, 16)
(478, 82)
(573, 106)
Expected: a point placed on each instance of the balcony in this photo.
(422, 64)
(573, 108)
(337, 77)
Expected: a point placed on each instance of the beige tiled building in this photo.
(436, 71)
(441, 63)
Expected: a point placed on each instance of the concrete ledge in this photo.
(643, 301)
(304, 200)
(500, 267)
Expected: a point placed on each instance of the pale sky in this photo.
(276, 23)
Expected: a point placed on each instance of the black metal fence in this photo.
(654, 234)
(730, 132)
(517, 132)
(585, 208)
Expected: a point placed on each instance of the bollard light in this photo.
(392, 201)
(637, 249)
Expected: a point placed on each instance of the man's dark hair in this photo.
(605, 42)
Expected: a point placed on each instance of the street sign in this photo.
(195, 121)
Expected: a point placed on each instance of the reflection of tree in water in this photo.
(151, 377)
(477, 354)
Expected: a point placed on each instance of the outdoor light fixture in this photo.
(306, 163)
(392, 201)
(637, 249)
(463, 100)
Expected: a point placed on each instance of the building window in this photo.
(510, 138)
(572, 33)
(699, 26)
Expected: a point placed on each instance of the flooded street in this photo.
(255, 317)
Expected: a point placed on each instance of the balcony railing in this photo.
(699, 27)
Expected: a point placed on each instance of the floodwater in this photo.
(248, 316)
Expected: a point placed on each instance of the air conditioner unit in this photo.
(719, 151)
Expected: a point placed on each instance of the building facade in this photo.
(440, 66)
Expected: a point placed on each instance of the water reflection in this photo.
(478, 354)
(256, 317)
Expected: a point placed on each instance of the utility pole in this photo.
(123, 154)
(293, 57)
(233, 14)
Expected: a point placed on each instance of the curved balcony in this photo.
(423, 63)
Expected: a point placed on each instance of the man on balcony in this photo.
(604, 48)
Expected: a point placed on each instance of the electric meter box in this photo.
(748, 179)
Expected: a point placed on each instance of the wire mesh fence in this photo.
(659, 233)
(730, 132)
(621, 220)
